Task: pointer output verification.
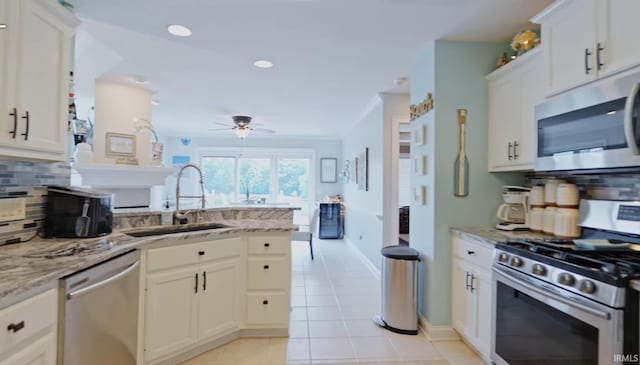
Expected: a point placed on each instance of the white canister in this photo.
(566, 223)
(536, 198)
(567, 195)
(83, 153)
(549, 219)
(536, 218)
(550, 191)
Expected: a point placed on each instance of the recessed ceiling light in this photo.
(3, 26)
(155, 102)
(263, 64)
(179, 30)
(611, 112)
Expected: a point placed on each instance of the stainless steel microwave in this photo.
(595, 127)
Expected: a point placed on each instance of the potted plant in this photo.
(142, 124)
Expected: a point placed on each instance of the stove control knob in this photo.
(587, 286)
(539, 270)
(566, 279)
(503, 257)
(516, 262)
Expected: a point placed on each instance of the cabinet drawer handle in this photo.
(15, 327)
(266, 267)
(204, 281)
(515, 150)
(471, 252)
(26, 129)
(195, 288)
(509, 146)
(471, 287)
(266, 244)
(265, 302)
(587, 53)
(599, 56)
(14, 114)
(467, 281)
(200, 253)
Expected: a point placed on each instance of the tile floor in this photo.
(334, 299)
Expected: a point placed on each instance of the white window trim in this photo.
(265, 152)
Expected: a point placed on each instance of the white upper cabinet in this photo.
(584, 40)
(514, 90)
(35, 78)
(617, 35)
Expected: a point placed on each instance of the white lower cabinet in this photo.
(39, 352)
(472, 294)
(29, 335)
(196, 293)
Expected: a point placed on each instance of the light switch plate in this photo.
(12, 209)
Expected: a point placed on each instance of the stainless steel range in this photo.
(569, 302)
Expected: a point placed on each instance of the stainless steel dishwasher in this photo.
(99, 314)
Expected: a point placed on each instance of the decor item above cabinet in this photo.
(34, 78)
(514, 90)
(584, 40)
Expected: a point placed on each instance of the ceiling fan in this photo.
(241, 127)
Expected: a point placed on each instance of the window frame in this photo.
(274, 154)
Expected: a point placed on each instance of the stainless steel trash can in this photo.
(399, 290)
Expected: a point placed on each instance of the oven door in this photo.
(538, 323)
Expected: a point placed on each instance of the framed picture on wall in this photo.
(363, 170)
(120, 145)
(328, 170)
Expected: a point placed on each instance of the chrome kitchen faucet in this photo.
(181, 218)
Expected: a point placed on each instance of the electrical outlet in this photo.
(12, 209)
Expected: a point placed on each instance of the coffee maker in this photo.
(514, 212)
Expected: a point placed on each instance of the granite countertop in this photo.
(32, 267)
(494, 235)
(144, 211)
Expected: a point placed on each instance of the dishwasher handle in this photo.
(102, 283)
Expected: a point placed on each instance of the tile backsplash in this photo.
(594, 186)
(26, 179)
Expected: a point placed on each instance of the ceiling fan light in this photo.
(242, 133)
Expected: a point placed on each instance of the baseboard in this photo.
(437, 333)
(365, 260)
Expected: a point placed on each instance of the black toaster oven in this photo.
(78, 212)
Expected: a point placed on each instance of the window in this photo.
(280, 177)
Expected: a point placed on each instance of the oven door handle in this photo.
(546, 290)
(628, 120)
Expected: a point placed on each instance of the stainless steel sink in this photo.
(159, 231)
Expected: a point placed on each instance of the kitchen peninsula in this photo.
(232, 270)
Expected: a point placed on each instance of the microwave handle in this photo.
(628, 120)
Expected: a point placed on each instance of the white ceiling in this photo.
(331, 56)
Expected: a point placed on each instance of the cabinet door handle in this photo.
(204, 281)
(195, 288)
(266, 244)
(26, 129)
(14, 114)
(200, 253)
(471, 287)
(515, 150)
(15, 327)
(599, 56)
(467, 281)
(266, 267)
(471, 252)
(509, 146)
(587, 53)
(265, 302)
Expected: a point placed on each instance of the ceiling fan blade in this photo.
(219, 129)
(225, 124)
(264, 130)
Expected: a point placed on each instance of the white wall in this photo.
(320, 147)
(404, 182)
(365, 210)
(455, 73)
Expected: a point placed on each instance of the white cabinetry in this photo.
(34, 75)
(472, 294)
(587, 39)
(31, 331)
(268, 280)
(193, 293)
(514, 90)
